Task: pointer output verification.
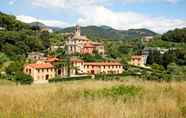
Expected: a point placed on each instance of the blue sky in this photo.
(157, 15)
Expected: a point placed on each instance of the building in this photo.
(34, 56)
(46, 69)
(103, 68)
(138, 60)
(148, 38)
(77, 66)
(147, 50)
(78, 43)
(40, 71)
(53, 48)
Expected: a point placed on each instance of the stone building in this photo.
(34, 56)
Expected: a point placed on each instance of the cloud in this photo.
(12, 2)
(29, 19)
(95, 12)
(100, 15)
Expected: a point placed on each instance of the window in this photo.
(29, 71)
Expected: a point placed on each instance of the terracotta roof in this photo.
(88, 45)
(102, 63)
(41, 65)
(52, 59)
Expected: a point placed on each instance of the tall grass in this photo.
(111, 99)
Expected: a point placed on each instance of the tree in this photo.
(4, 62)
(177, 35)
(154, 57)
(22, 78)
(168, 57)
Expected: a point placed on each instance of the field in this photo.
(94, 99)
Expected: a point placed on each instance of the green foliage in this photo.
(158, 67)
(92, 58)
(11, 24)
(172, 56)
(15, 67)
(60, 53)
(59, 79)
(114, 92)
(154, 57)
(56, 39)
(22, 78)
(105, 32)
(106, 77)
(159, 76)
(177, 35)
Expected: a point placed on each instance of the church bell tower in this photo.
(77, 30)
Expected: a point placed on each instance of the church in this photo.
(78, 43)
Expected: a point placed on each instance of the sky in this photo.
(156, 15)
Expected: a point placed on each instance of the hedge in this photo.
(69, 79)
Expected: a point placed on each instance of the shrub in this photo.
(107, 77)
(115, 91)
(22, 78)
(59, 79)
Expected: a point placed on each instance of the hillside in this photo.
(105, 32)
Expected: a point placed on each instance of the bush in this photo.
(107, 77)
(22, 78)
(115, 91)
(159, 76)
(59, 79)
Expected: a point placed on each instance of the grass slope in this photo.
(95, 99)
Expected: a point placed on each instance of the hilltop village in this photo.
(45, 67)
(36, 52)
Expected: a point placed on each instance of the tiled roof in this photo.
(89, 45)
(40, 65)
(52, 59)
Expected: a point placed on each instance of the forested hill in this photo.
(18, 38)
(105, 32)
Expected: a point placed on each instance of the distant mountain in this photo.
(41, 25)
(106, 32)
(38, 24)
(103, 32)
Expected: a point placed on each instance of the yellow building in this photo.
(138, 60)
(40, 71)
(103, 68)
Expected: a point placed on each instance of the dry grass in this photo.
(155, 100)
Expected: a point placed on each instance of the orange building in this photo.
(103, 68)
(88, 48)
(40, 71)
(45, 69)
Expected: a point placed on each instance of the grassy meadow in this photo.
(94, 99)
